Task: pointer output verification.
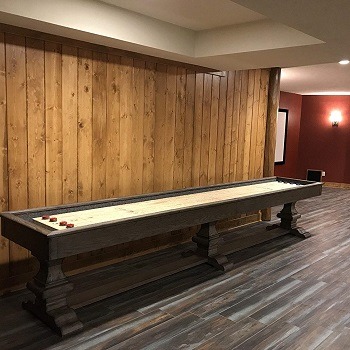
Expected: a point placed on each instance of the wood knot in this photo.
(86, 66)
(86, 88)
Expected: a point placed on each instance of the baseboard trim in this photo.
(337, 185)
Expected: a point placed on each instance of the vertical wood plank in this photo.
(126, 110)
(248, 125)
(99, 122)
(221, 130)
(213, 129)
(4, 185)
(254, 135)
(228, 127)
(242, 126)
(169, 129)
(159, 142)
(261, 133)
(53, 101)
(179, 126)
(113, 134)
(137, 126)
(197, 129)
(36, 122)
(189, 129)
(17, 139)
(149, 128)
(203, 177)
(84, 125)
(235, 125)
(70, 122)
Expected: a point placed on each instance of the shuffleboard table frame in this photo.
(51, 287)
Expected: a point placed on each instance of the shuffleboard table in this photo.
(53, 233)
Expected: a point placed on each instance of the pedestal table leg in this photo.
(289, 216)
(51, 288)
(207, 240)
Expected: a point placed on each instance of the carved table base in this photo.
(207, 240)
(51, 288)
(289, 216)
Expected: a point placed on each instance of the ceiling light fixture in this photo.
(344, 62)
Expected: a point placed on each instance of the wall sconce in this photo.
(335, 117)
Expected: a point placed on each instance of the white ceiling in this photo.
(306, 38)
(191, 14)
(321, 79)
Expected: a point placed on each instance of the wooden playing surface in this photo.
(130, 210)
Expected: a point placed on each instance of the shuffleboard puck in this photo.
(63, 223)
(45, 217)
(53, 219)
(70, 225)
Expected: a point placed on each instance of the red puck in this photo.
(53, 219)
(63, 223)
(70, 225)
(45, 217)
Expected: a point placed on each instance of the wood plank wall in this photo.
(78, 124)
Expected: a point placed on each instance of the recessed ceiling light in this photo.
(344, 62)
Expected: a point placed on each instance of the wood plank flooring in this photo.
(286, 293)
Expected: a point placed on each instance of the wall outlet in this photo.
(323, 173)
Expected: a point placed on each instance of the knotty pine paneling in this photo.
(54, 123)
(113, 132)
(84, 133)
(17, 139)
(149, 128)
(4, 184)
(80, 125)
(70, 124)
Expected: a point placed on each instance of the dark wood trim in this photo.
(102, 236)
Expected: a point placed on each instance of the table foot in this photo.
(300, 232)
(220, 262)
(63, 321)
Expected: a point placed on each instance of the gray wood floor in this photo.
(287, 293)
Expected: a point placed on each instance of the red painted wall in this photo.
(293, 103)
(322, 146)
